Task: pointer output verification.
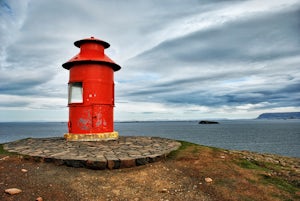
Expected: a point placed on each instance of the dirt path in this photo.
(235, 176)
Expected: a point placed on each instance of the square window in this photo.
(75, 92)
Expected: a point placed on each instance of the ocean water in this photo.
(264, 136)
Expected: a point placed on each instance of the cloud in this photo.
(256, 39)
(223, 58)
(225, 65)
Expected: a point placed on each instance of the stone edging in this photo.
(127, 151)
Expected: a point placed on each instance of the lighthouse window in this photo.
(75, 92)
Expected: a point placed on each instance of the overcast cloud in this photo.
(180, 59)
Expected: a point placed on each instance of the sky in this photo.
(181, 60)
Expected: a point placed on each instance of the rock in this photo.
(164, 190)
(4, 158)
(24, 170)
(208, 122)
(13, 191)
(222, 156)
(39, 199)
(208, 180)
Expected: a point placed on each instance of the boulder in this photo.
(208, 180)
(24, 170)
(13, 191)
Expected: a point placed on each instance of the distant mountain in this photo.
(281, 115)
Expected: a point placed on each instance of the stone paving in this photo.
(127, 151)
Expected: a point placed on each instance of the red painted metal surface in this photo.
(91, 88)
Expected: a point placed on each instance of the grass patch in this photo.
(280, 183)
(248, 165)
(253, 165)
(4, 152)
(190, 150)
(269, 165)
(184, 145)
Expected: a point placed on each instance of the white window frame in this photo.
(75, 93)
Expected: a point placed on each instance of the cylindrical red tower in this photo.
(91, 92)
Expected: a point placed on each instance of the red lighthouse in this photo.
(91, 92)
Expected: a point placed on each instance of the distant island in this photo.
(280, 115)
(208, 122)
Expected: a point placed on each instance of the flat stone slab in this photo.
(127, 151)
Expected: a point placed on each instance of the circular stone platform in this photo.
(121, 153)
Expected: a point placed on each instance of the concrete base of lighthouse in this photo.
(92, 136)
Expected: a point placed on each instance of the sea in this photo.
(280, 137)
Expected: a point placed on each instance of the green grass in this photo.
(253, 165)
(184, 146)
(247, 164)
(269, 165)
(194, 149)
(280, 183)
(4, 152)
